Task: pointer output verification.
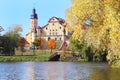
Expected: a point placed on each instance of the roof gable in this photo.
(53, 19)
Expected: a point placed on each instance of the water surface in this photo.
(57, 71)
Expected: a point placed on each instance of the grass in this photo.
(116, 64)
(40, 55)
(27, 56)
(24, 58)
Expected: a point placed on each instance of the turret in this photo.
(34, 14)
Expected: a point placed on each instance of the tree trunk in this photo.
(51, 51)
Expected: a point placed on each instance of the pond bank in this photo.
(116, 64)
(42, 57)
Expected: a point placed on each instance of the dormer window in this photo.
(53, 24)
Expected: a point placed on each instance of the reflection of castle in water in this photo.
(30, 71)
(48, 71)
(55, 72)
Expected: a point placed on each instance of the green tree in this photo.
(4, 49)
(85, 51)
(12, 36)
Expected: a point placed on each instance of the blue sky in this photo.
(18, 12)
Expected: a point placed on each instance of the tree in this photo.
(102, 18)
(51, 44)
(4, 48)
(85, 52)
(17, 28)
(37, 42)
(21, 43)
(43, 44)
(40, 43)
(12, 37)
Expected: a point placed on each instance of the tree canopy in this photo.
(9, 40)
(51, 44)
(102, 17)
(40, 43)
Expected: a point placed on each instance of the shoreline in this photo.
(24, 58)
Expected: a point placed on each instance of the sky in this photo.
(14, 12)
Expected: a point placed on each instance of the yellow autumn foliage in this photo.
(104, 29)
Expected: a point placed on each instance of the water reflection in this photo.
(57, 71)
(54, 71)
(108, 74)
(30, 72)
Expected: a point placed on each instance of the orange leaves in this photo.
(52, 44)
(37, 41)
(43, 44)
(40, 42)
(21, 41)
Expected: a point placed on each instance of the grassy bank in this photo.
(116, 64)
(42, 57)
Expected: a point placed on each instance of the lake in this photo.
(57, 71)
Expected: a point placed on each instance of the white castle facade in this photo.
(55, 29)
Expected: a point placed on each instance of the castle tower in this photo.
(33, 20)
(33, 24)
(30, 37)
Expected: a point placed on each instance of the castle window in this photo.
(53, 24)
(60, 27)
(55, 39)
(60, 39)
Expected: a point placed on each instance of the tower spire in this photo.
(34, 14)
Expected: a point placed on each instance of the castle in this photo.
(55, 29)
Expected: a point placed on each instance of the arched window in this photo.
(60, 39)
